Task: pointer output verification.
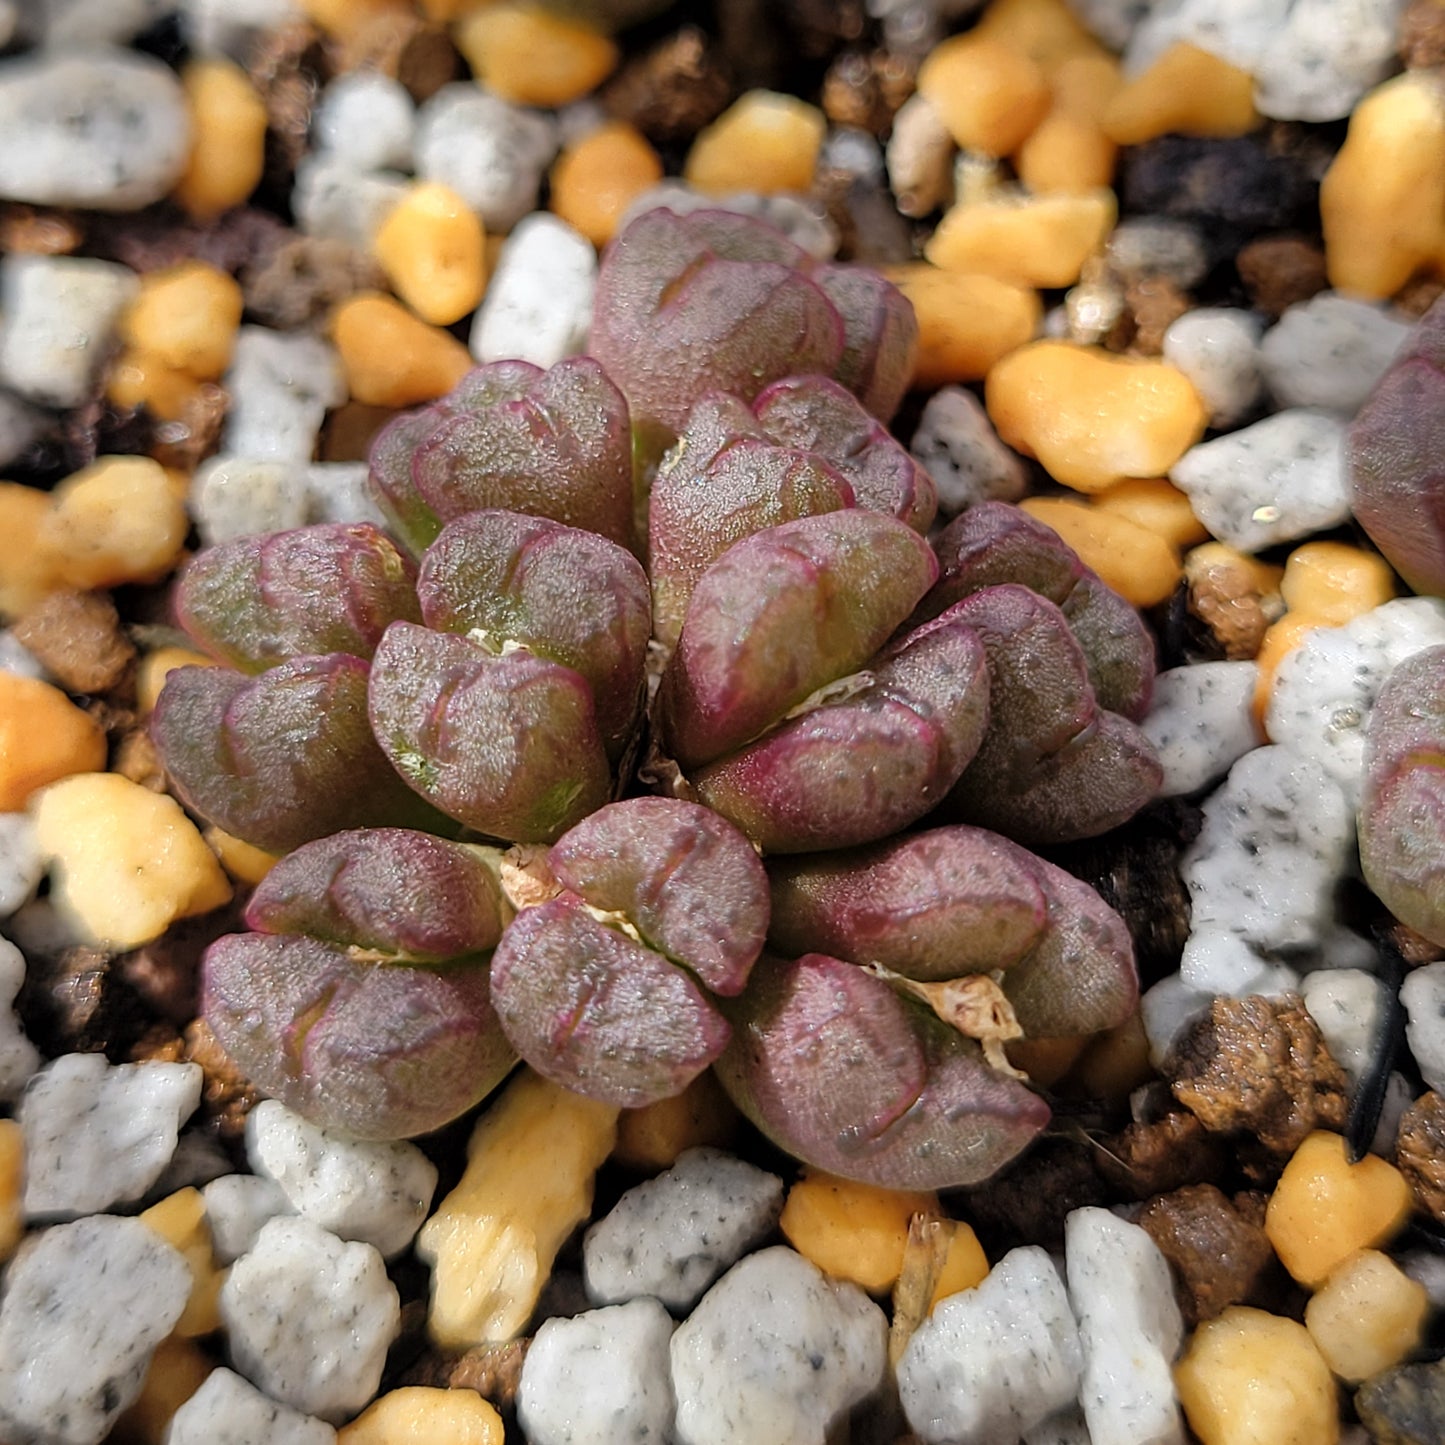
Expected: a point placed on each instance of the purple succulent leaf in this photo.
(392, 891)
(833, 1066)
(932, 906)
(710, 301)
(880, 336)
(257, 601)
(996, 542)
(780, 615)
(816, 414)
(555, 443)
(572, 596)
(598, 1012)
(370, 1050)
(723, 481)
(1402, 806)
(1395, 458)
(856, 770)
(684, 878)
(1053, 765)
(507, 745)
(283, 757)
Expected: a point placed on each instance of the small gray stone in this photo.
(1282, 478)
(1201, 722)
(1330, 351)
(199, 1158)
(310, 1318)
(1404, 1405)
(1346, 1004)
(21, 865)
(374, 1191)
(1065, 1429)
(599, 1378)
(19, 1058)
(99, 22)
(1423, 994)
(242, 497)
(775, 1354)
(367, 120)
(238, 1206)
(955, 443)
(232, 27)
(17, 658)
(490, 152)
(59, 319)
(105, 129)
(98, 1134)
(996, 1360)
(281, 385)
(798, 219)
(672, 1236)
(20, 424)
(334, 200)
(340, 492)
(228, 1410)
(1217, 348)
(85, 1306)
(1158, 246)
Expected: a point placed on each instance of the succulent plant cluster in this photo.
(446, 730)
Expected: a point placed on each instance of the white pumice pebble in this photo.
(1282, 478)
(955, 443)
(21, 864)
(238, 1207)
(281, 386)
(853, 151)
(599, 1378)
(339, 492)
(232, 27)
(1346, 1004)
(672, 1236)
(17, 658)
(1166, 1010)
(1201, 722)
(58, 316)
(310, 1318)
(1330, 351)
(1220, 964)
(1217, 348)
(79, 23)
(229, 1410)
(233, 496)
(98, 1134)
(1423, 994)
(19, 1058)
(920, 158)
(374, 1191)
(775, 1353)
(97, 127)
(20, 424)
(334, 200)
(85, 1306)
(490, 152)
(538, 305)
(1129, 1327)
(1277, 835)
(1158, 246)
(996, 1360)
(366, 119)
(1325, 690)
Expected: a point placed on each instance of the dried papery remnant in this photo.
(1402, 807)
(607, 988)
(555, 443)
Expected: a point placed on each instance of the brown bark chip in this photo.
(493, 1371)
(77, 637)
(1225, 598)
(1029, 1201)
(1280, 271)
(673, 90)
(227, 1095)
(405, 47)
(1146, 1159)
(866, 89)
(1422, 34)
(36, 231)
(1420, 1152)
(1258, 1066)
(183, 444)
(1219, 1256)
(300, 281)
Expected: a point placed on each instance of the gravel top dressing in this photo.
(722, 723)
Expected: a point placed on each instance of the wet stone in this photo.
(1404, 1406)
(1420, 1152)
(1169, 1153)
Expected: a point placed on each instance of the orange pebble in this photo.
(596, 178)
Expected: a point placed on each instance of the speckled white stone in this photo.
(955, 443)
(1217, 348)
(21, 865)
(1346, 1004)
(375, 1191)
(1277, 835)
(492, 153)
(538, 305)
(1201, 722)
(99, 127)
(230, 27)
(1325, 689)
(20, 424)
(1158, 246)
(233, 496)
(338, 492)
(1219, 964)
(85, 1306)
(238, 1206)
(1282, 478)
(98, 1134)
(310, 1318)
(775, 1354)
(1330, 351)
(1129, 1328)
(228, 1410)
(996, 1360)
(366, 119)
(58, 316)
(335, 201)
(281, 384)
(1167, 1010)
(599, 1378)
(672, 1236)
(19, 1058)
(1423, 994)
